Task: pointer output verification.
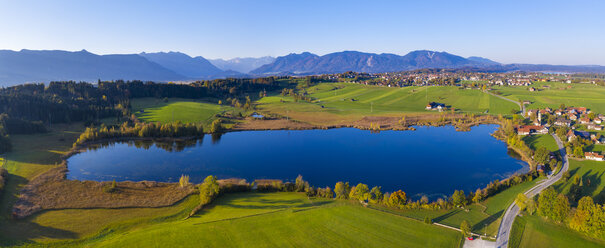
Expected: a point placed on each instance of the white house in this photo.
(594, 156)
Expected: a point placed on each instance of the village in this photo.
(460, 78)
(580, 127)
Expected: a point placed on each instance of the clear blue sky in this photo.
(555, 32)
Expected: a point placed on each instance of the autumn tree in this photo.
(300, 184)
(216, 126)
(478, 197)
(546, 202)
(560, 208)
(375, 194)
(465, 228)
(531, 206)
(184, 181)
(521, 201)
(581, 219)
(342, 190)
(208, 190)
(398, 199)
(542, 155)
(459, 198)
(361, 192)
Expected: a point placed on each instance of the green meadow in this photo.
(534, 232)
(286, 220)
(593, 177)
(537, 141)
(175, 109)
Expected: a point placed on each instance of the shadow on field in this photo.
(273, 204)
(487, 221)
(559, 187)
(446, 215)
(22, 231)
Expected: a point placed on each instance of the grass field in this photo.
(537, 141)
(287, 220)
(175, 109)
(587, 95)
(341, 101)
(537, 233)
(31, 156)
(593, 171)
(533, 231)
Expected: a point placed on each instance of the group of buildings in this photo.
(571, 117)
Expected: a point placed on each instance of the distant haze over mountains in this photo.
(243, 65)
(18, 67)
(183, 64)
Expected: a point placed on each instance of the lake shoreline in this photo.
(62, 171)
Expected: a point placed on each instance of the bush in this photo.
(184, 181)
(428, 220)
(112, 188)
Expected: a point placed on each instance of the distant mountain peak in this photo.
(482, 60)
(184, 64)
(307, 63)
(242, 65)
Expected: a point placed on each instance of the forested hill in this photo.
(26, 108)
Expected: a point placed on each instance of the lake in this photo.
(431, 160)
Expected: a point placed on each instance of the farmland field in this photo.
(344, 101)
(586, 95)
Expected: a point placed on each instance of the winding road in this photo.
(512, 211)
(521, 106)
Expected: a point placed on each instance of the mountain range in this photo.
(308, 63)
(54, 65)
(243, 65)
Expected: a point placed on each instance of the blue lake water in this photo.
(431, 160)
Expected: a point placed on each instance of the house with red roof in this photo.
(594, 156)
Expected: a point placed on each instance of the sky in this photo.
(550, 32)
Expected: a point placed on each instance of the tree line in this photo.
(10, 126)
(588, 217)
(30, 106)
(142, 130)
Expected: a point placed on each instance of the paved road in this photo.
(479, 243)
(512, 211)
(521, 106)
